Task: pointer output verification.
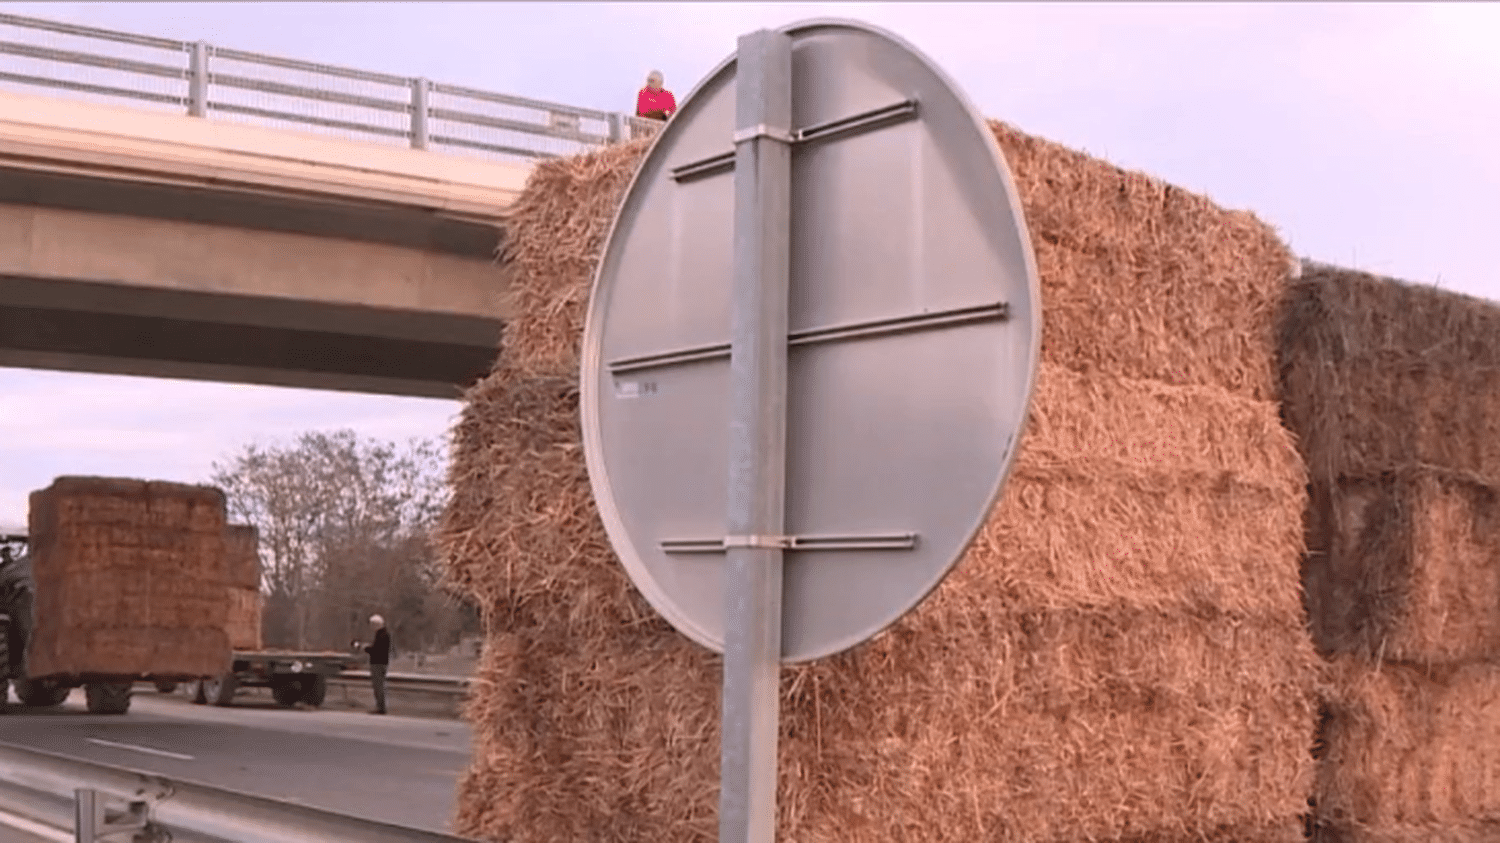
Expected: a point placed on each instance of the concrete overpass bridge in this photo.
(310, 251)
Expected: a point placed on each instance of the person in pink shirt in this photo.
(655, 102)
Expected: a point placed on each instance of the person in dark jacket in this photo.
(380, 661)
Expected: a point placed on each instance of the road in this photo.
(394, 769)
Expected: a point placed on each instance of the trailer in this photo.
(293, 677)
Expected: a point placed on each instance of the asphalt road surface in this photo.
(393, 769)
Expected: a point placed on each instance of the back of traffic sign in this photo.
(913, 331)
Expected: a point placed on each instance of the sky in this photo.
(1366, 133)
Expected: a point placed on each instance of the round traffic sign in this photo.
(915, 325)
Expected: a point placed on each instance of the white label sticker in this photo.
(634, 389)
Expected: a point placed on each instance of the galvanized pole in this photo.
(757, 438)
(198, 80)
(88, 815)
(419, 108)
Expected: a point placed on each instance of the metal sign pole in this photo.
(757, 438)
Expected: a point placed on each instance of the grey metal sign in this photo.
(809, 356)
(911, 338)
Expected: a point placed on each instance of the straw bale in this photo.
(139, 564)
(1405, 567)
(181, 652)
(242, 556)
(991, 725)
(1139, 279)
(99, 501)
(1377, 374)
(244, 622)
(1144, 279)
(1477, 832)
(1143, 494)
(1079, 676)
(1409, 749)
(554, 234)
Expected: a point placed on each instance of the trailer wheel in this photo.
(315, 690)
(220, 690)
(39, 693)
(166, 687)
(108, 697)
(286, 691)
(194, 691)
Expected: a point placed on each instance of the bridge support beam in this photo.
(100, 292)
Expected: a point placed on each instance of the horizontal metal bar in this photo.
(472, 119)
(816, 336)
(998, 311)
(876, 541)
(499, 149)
(664, 359)
(292, 117)
(519, 102)
(704, 167)
(854, 124)
(23, 22)
(145, 68)
(87, 88)
(311, 67)
(266, 86)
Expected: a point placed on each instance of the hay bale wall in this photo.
(129, 579)
(1122, 656)
(1390, 388)
(1144, 280)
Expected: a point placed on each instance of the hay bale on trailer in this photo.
(242, 558)
(1122, 655)
(129, 579)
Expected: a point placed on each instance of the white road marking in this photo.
(35, 829)
(146, 749)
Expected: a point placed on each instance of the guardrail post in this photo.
(419, 89)
(616, 130)
(198, 81)
(91, 822)
(88, 815)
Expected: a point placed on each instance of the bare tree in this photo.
(344, 528)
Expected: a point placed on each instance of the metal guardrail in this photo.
(208, 81)
(415, 681)
(91, 800)
(406, 693)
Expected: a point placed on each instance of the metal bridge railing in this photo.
(203, 80)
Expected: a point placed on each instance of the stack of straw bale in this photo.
(1122, 655)
(242, 576)
(1391, 389)
(129, 579)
